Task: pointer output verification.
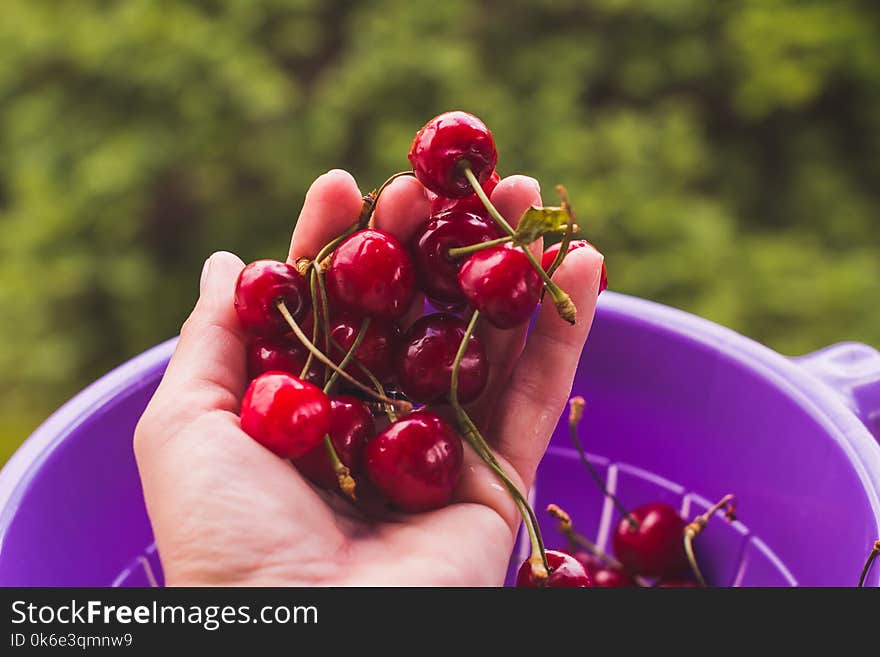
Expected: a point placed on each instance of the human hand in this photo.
(227, 511)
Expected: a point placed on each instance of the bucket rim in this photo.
(814, 396)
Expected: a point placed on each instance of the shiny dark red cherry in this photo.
(565, 572)
(603, 575)
(283, 353)
(285, 414)
(606, 577)
(376, 350)
(655, 546)
(259, 287)
(472, 203)
(444, 145)
(351, 425)
(501, 283)
(371, 273)
(551, 252)
(416, 462)
(437, 272)
(425, 357)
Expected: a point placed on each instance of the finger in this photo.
(512, 197)
(480, 485)
(332, 204)
(540, 384)
(207, 370)
(402, 208)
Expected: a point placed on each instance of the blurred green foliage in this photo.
(724, 155)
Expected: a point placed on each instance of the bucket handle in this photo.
(852, 370)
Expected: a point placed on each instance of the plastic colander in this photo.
(679, 410)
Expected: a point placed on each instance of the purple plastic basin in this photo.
(678, 409)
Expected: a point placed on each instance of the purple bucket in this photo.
(678, 410)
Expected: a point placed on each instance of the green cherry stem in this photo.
(576, 539)
(540, 566)
(343, 474)
(576, 411)
(473, 248)
(693, 529)
(404, 406)
(349, 354)
(566, 236)
(873, 555)
(564, 305)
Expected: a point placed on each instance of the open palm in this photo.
(226, 511)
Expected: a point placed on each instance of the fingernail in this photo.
(206, 268)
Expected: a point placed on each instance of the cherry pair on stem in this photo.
(226, 510)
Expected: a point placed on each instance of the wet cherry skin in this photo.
(259, 287)
(437, 272)
(371, 273)
(655, 547)
(501, 283)
(416, 462)
(425, 357)
(551, 252)
(351, 425)
(444, 144)
(565, 572)
(285, 414)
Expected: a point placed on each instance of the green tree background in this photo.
(724, 155)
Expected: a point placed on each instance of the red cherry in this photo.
(416, 462)
(376, 350)
(425, 358)
(603, 576)
(371, 273)
(260, 286)
(501, 283)
(279, 354)
(655, 547)
(565, 572)
(351, 425)
(606, 577)
(437, 272)
(447, 142)
(551, 252)
(285, 414)
(472, 203)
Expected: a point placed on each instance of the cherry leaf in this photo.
(538, 221)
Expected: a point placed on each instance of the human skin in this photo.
(226, 511)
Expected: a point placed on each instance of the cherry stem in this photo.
(349, 354)
(564, 305)
(473, 248)
(538, 558)
(576, 539)
(308, 364)
(343, 474)
(566, 236)
(403, 406)
(693, 529)
(576, 411)
(372, 199)
(871, 557)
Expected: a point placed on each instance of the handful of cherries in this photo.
(337, 343)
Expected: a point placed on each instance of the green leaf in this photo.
(539, 221)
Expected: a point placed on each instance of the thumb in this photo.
(207, 370)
